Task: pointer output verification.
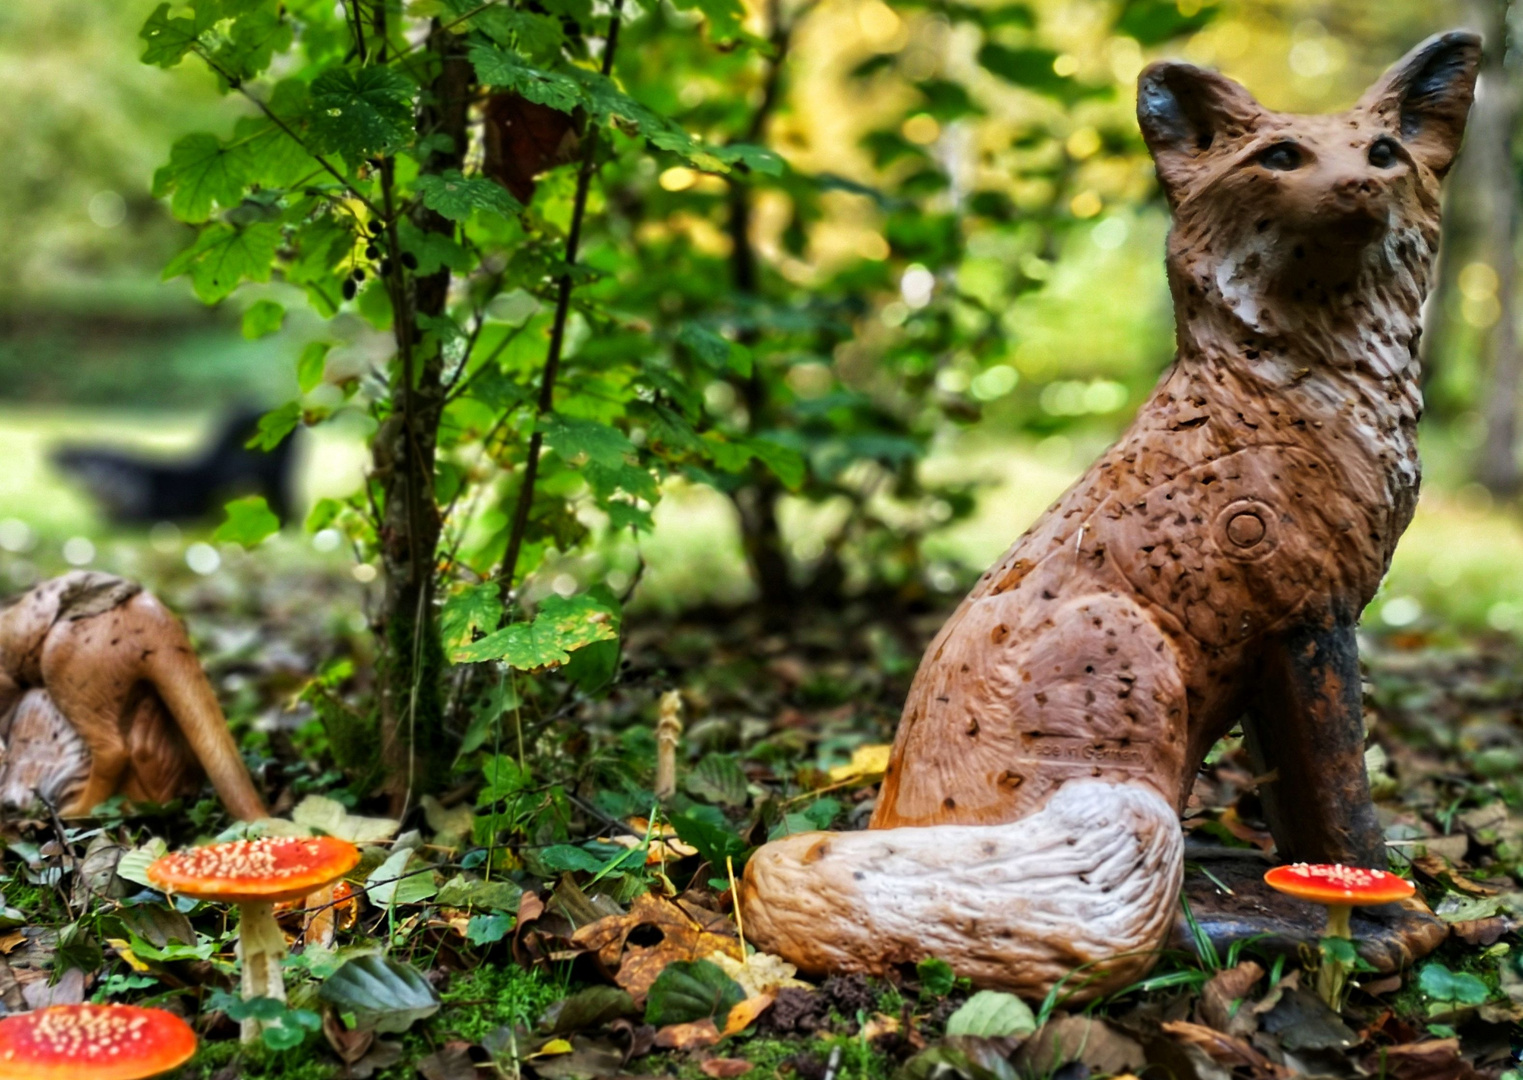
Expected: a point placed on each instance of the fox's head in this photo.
(1308, 226)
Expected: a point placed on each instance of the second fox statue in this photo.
(1211, 565)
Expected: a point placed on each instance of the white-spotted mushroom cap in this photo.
(269, 869)
(1334, 883)
(93, 1042)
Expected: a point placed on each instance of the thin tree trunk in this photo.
(756, 500)
(1491, 138)
(412, 743)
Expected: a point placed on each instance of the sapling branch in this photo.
(525, 501)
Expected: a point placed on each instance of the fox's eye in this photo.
(1383, 154)
(1282, 157)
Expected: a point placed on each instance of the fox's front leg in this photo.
(1085, 887)
(1306, 729)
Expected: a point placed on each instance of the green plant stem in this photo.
(522, 506)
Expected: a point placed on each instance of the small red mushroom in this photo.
(95, 1042)
(255, 875)
(1340, 889)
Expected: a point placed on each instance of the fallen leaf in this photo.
(1224, 1049)
(1091, 1042)
(866, 761)
(745, 1013)
(450, 1062)
(1436, 1059)
(1221, 999)
(694, 1036)
(878, 1025)
(682, 937)
(723, 1068)
(68, 990)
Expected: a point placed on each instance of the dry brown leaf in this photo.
(1220, 998)
(1436, 1059)
(880, 1024)
(744, 1013)
(523, 139)
(694, 1036)
(683, 937)
(1076, 1038)
(1223, 1049)
(724, 1068)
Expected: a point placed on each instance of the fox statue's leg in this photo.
(1085, 888)
(1306, 729)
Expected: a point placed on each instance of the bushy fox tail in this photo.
(176, 675)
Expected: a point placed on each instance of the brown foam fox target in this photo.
(1211, 565)
(101, 694)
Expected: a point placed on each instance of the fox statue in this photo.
(101, 694)
(1210, 567)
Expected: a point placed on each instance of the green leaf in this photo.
(311, 364)
(223, 255)
(1029, 67)
(133, 866)
(502, 68)
(203, 173)
(384, 995)
(786, 463)
(461, 892)
(263, 318)
(689, 990)
(473, 608)
(936, 976)
(250, 521)
(588, 1008)
(1152, 22)
(1460, 987)
(574, 438)
(358, 112)
(275, 425)
(992, 1014)
(488, 929)
(504, 778)
(715, 843)
(560, 627)
(256, 36)
(400, 880)
(724, 16)
(707, 346)
(718, 779)
(455, 195)
(169, 39)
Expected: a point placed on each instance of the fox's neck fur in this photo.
(1288, 323)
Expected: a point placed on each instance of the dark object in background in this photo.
(523, 139)
(138, 490)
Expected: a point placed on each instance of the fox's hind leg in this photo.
(1085, 888)
(1306, 729)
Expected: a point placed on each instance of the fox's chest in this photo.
(1242, 543)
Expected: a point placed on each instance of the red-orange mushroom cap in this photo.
(266, 870)
(1352, 886)
(93, 1042)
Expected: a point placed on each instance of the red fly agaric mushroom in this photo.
(255, 875)
(1340, 889)
(101, 1042)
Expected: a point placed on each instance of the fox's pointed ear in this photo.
(1185, 111)
(1426, 96)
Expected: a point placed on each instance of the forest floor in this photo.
(537, 921)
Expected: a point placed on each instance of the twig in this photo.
(557, 339)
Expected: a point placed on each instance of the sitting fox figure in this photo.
(1211, 566)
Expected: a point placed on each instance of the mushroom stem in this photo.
(1332, 976)
(1337, 920)
(261, 946)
